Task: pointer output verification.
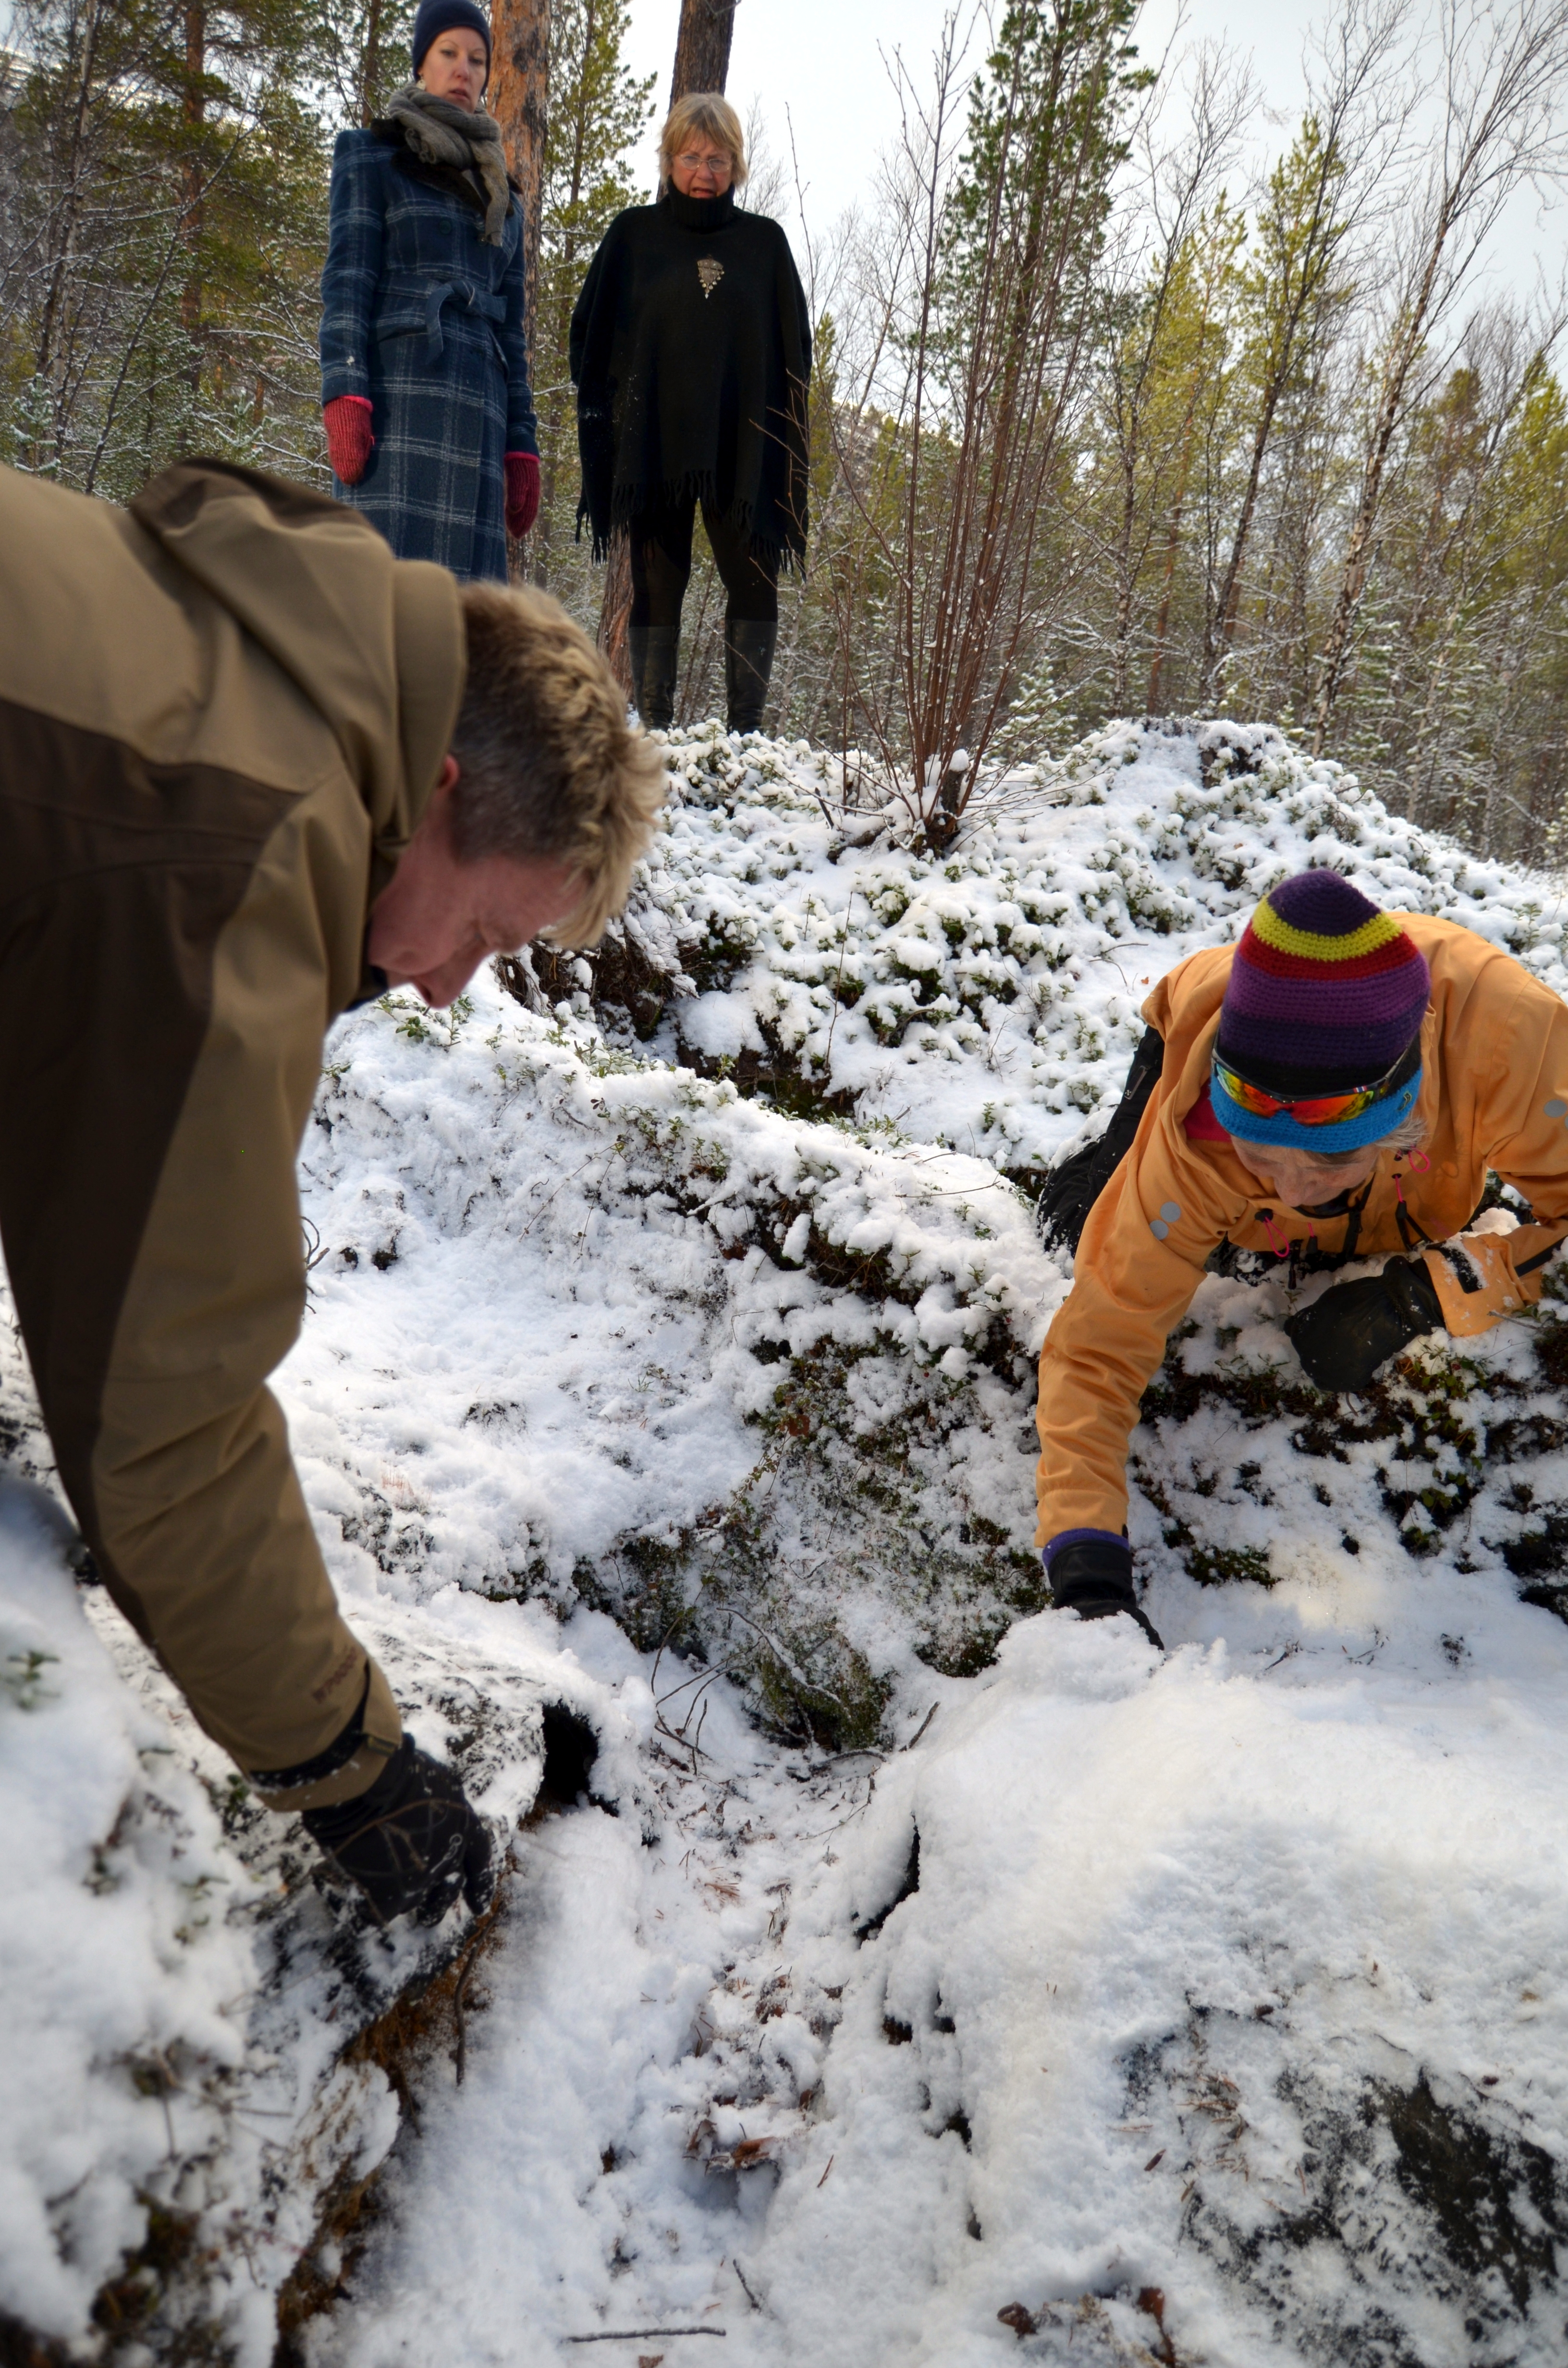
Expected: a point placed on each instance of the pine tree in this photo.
(161, 245)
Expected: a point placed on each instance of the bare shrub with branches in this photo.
(972, 380)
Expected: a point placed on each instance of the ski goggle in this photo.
(1316, 1109)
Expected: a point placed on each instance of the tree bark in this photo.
(702, 62)
(367, 64)
(520, 99)
(194, 110)
(702, 46)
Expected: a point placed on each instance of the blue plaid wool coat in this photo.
(426, 320)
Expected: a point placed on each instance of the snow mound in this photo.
(1235, 1997)
(587, 1327)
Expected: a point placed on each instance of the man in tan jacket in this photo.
(253, 769)
(1337, 1085)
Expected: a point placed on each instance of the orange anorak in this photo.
(1493, 1095)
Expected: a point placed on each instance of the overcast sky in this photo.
(816, 66)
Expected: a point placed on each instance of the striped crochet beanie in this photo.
(1325, 993)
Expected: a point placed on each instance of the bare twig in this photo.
(638, 2334)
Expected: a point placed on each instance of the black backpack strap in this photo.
(1071, 1189)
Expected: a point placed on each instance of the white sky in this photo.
(815, 64)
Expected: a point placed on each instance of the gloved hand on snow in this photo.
(1094, 1577)
(1344, 1337)
(412, 1842)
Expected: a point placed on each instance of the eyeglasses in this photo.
(1317, 1109)
(714, 164)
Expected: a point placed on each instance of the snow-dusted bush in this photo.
(989, 998)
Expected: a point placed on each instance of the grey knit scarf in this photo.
(440, 133)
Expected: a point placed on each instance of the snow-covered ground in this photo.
(931, 1978)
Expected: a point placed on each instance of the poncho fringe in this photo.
(632, 502)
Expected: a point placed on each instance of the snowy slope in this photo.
(705, 1296)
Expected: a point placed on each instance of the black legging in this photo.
(660, 567)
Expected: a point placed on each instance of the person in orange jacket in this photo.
(1336, 1084)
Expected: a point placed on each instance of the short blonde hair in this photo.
(708, 115)
(1408, 1135)
(548, 768)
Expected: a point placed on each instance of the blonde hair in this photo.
(707, 113)
(1410, 1131)
(548, 768)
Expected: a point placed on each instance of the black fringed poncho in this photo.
(691, 350)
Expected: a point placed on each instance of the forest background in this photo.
(1105, 419)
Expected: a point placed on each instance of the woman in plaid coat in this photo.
(425, 369)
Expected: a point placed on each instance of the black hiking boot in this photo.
(654, 652)
(748, 662)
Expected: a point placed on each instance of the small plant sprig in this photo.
(22, 1678)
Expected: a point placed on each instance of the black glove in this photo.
(412, 1842)
(1344, 1337)
(1094, 1578)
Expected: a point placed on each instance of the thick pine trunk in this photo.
(702, 46)
(520, 99)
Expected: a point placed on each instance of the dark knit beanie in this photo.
(1325, 993)
(437, 17)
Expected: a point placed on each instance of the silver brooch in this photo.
(710, 270)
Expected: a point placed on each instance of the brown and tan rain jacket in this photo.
(222, 715)
(1493, 1095)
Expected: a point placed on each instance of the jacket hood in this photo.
(375, 643)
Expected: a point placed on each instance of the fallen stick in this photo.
(636, 2334)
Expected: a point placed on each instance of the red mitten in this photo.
(522, 493)
(349, 442)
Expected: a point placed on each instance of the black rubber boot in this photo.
(748, 662)
(654, 652)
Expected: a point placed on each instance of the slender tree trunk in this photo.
(553, 333)
(1220, 631)
(564, 280)
(1359, 550)
(1173, 546)
(50, 332)
(1122, 665)
(368, 64)
(702, 62)
(195, 111)
(520, 99)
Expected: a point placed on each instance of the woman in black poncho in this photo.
(691, 351)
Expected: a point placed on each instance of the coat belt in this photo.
(453, 291)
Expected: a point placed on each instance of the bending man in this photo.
(252, 770)
(1335, 1085)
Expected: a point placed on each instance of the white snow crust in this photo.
(923, 1954)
